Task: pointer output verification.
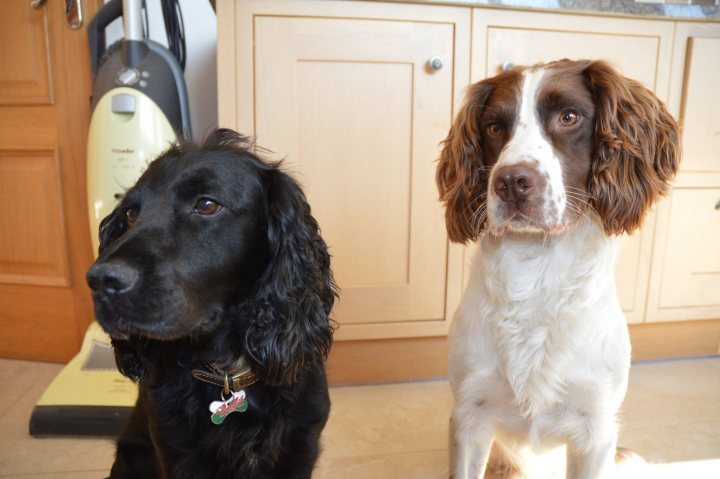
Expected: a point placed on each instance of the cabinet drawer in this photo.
(641, 49)
(701, 107)
(525, 46)
(691, 270)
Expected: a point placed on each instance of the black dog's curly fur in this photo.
(214, 255)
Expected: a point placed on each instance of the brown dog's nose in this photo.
(112, 278)
(514, 183)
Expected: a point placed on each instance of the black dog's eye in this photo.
(206, 206)
(130, 216)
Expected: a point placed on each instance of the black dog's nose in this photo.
(112, 278)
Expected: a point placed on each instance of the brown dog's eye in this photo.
(130, 216)
(494, 130)
(569, 118)
(206, 206)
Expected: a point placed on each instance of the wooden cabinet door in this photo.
(689, 277)
(640, 49)
(353, 106)
(685, 283)
(44, 237)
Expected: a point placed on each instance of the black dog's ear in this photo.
(290, 327)
(112, 227)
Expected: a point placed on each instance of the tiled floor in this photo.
(397, 431)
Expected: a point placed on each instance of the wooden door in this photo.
(44, 237)
(348, 98)
(528, 38)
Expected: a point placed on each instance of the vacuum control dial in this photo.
(127, 76)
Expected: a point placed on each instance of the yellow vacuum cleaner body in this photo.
(139, 108)
(127, 131)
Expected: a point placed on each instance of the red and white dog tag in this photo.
(222, 409)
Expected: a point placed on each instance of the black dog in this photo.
(215, 286)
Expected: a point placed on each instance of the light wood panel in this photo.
(685, 282)
(351, 105)
(684, 31)
(674, 340)
(527, 38)
(362, 84)
(693, 228)
(24, 55)
(389, 360)
(30, 187)
(415, 359)
(701, 106)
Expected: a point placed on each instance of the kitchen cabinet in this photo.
(357, 96)
(685, 284)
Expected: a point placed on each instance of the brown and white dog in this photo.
(545, 166)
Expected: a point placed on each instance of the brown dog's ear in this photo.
(637, 149)
(460, 176)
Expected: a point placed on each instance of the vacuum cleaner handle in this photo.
(96, 31)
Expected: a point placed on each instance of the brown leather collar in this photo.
(236, 378)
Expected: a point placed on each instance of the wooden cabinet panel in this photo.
(30, 183)
(701, 107)
(354, 111)
(686, 262)
(354, 108)
(529, 46)
(685, 279)
(24, 57)
(691, 276)
(528, 38)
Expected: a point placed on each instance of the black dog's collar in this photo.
(235, 378)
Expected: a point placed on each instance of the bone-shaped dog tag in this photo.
(222, 409)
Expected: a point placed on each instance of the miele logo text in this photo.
(123, 150)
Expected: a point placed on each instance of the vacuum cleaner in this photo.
(139, 107)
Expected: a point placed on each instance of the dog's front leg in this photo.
(470, 436)
(595, 458)
(135, 456)
(596, 463)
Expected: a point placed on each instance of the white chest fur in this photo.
(536, 311)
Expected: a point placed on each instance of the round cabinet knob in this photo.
(507, 65)
(435, 63)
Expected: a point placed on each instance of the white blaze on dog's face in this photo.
(535, 149)
(545, 155)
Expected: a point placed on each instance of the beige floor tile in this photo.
(672, 392)
(399, 431)
(22, 454)
(61, 475)
(387, 419)
(410, 465)
(17, 377)
(672, 411)
(675, 443)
